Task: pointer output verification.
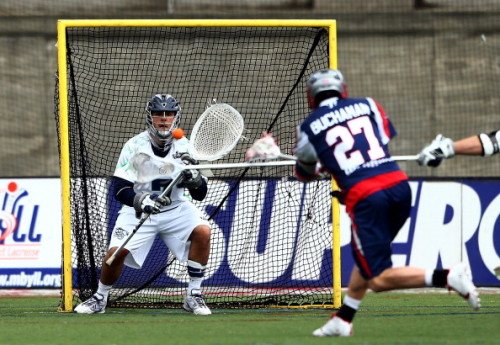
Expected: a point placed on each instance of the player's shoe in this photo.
(460, 279)
(94, 305)
(195, 303)
(335, 327)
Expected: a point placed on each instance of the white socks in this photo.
(196, 273)
(104, 290)
(351, 302)
(428, 277)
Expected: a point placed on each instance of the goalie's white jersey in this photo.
(138, 164)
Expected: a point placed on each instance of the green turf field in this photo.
(388, 318)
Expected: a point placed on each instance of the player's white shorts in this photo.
(173, 226)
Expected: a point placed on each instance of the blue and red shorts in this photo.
(376, 220)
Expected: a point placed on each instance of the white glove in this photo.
(441, 147)
(149, 203)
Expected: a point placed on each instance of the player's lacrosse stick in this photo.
(263, 149)
(266, 148)
(215, 134)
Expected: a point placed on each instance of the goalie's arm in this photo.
(199, 193)
(142, 202)
(124, 191)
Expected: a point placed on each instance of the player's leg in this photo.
(457, 278)
(137, 247)
(398, 278)
(373, 229)
(340, 323)
(109, 275)
(187, 235)
(197, 260)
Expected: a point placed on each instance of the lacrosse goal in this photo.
(271, 234)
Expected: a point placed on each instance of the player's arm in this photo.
(142, 202)
(442, 147)
(192, 180)
(306, 168)
(124, 191)
(195, 183)
(483, 144)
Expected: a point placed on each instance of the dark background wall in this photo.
(434, 70)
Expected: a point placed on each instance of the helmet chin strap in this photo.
(158, 145)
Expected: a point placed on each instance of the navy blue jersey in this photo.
(349, 137)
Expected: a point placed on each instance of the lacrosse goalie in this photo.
(173, 217)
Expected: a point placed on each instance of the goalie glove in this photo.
(149, 203)
(191, 179)
(432, 155)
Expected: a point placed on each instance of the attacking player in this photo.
(442, 147)
(348, 138)
(174, 218)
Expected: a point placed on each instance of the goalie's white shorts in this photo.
(173, 226)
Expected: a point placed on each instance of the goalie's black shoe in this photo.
(195, 303)
(94, 305)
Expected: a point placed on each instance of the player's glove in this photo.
(187, 159)
(432, 155)
(191, 179)
(149, 203)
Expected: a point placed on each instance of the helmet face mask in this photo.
(163, 116)
(325, 80)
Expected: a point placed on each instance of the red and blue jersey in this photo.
(349, 137)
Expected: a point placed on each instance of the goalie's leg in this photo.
(187, 236)
(198, 258)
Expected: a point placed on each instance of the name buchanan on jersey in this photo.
(340, 115)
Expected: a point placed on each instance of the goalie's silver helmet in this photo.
(164, 104)
(325, 80)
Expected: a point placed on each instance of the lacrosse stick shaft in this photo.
(405, 158)
(144, 217)
(242, 165)
(272, 163)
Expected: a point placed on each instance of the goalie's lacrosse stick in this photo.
(215, 134)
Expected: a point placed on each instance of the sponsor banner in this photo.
(35, 278)
(449, 222)
(30, 232)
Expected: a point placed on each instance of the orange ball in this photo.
(178, 133)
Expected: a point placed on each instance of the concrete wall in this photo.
(433, 71)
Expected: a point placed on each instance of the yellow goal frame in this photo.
(62, 25)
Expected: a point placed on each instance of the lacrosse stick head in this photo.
(263, 148)
(216, 132)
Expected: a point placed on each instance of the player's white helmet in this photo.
(162, 103)
(325, 79)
